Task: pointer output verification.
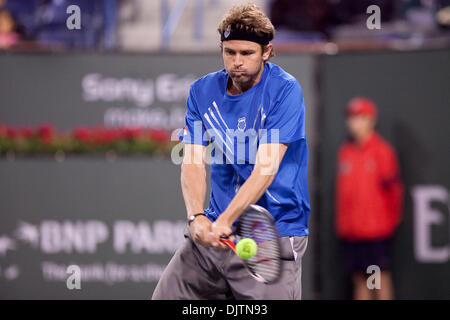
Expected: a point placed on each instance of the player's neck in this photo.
(362, 139)
(234, 88)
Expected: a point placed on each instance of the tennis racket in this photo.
(258, 224)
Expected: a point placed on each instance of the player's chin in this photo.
(241, 79)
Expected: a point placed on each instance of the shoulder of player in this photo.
(282, 81)
(208, 79)
(383, 149)
(382, 144)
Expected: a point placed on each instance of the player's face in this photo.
(243, 61)
(360, 126)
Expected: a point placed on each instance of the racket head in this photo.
(258, 224)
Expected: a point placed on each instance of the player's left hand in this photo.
(219, 228)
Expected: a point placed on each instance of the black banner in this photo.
(412, 95)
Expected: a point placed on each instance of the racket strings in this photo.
(265, 264)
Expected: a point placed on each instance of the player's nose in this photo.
(238, 60)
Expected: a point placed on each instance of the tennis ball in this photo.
(246, 248)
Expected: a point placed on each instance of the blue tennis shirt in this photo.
(272, 111)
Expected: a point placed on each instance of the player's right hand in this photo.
(200, 230)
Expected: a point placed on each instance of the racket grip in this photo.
(228, 242)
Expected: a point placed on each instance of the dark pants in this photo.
(357, 256)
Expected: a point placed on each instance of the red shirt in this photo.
(369, 193)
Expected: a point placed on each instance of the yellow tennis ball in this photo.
(246, 248)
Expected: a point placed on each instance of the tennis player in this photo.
(253, 113)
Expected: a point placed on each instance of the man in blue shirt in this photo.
(253, 113)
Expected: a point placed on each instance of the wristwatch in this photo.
(191, 218)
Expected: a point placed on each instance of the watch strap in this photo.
(192, 217)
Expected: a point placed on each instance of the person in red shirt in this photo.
(369, 196)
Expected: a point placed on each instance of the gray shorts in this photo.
(198, 273)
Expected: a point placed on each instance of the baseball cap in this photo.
(360, 106)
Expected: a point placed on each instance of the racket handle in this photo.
(229, 243)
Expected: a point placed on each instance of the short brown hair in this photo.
(250, 18)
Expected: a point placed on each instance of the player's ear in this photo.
(267, 49)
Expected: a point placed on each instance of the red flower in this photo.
(11, 132)
(26, 132)
(107, 135)
(159, 135)
(82, 133)
(45, 133)
(131, 133)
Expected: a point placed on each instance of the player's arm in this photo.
(268, 159)
(193, 178)
(193, 186)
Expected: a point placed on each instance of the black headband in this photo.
(240, 34)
